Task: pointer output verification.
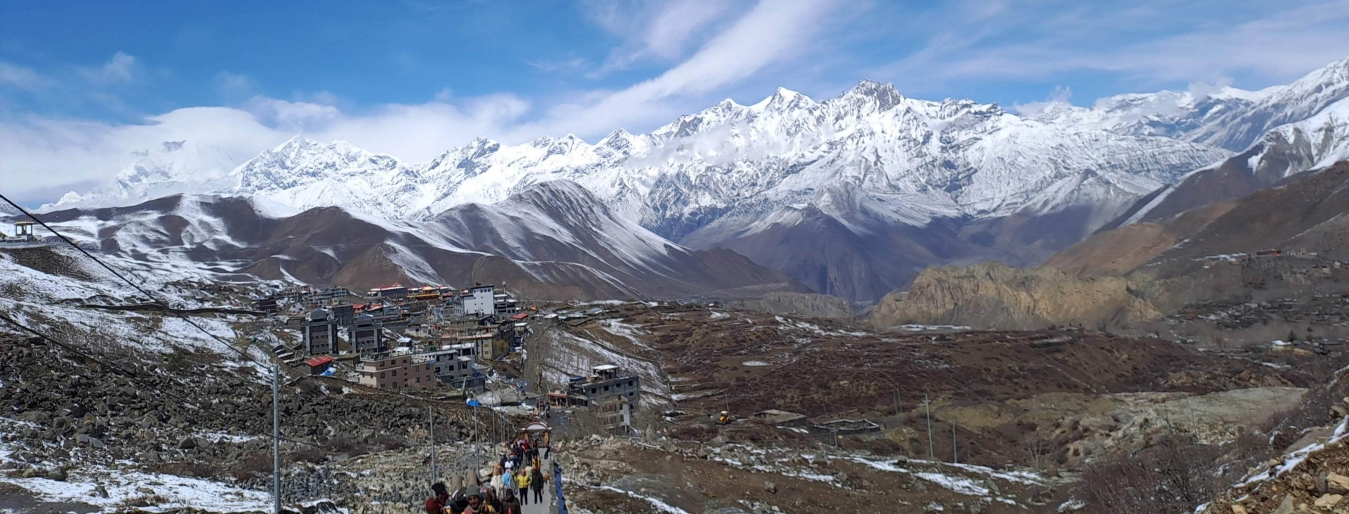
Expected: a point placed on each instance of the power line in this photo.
(119, 275)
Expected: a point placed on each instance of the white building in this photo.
(480, 301)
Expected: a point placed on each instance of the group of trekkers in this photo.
(518, 473)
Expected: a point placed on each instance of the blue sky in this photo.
(84, 84)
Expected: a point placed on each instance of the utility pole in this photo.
(927, 406)
(276, 438)
(477, 460)
(431, 420)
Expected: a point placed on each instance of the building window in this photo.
(419, 380)
(606, 388)
(381, 374)
(629, 383)
(593, 390)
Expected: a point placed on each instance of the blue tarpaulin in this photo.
(557, 483)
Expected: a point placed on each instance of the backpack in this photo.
(536, 479)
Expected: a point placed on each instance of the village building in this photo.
(319, 365)
(366, 336)
(397, 371)
(319, 333)
(267, 305)
(314, 298)
(504, 305)
(393, 293)
(483, 333)
(23, 233)
(479, 300)
(345, 314)
(610, 394)
(423, 294)
(453, 365)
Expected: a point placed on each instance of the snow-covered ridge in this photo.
(869, 154)
(909, 159)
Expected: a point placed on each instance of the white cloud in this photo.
(40, 155)
(654, 30)
(234, 85)
(771, 32)
(21, 77)
(118, 69)
(1058, 95)
(46, 153)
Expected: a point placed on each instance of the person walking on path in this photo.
(497, 471)
(522, 481)
(510, 505)
(507, 480)
(536, 483)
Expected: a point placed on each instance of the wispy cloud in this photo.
(21, 77)
(1150, 41)
(662, 31)
(771, 32)
(119, 69)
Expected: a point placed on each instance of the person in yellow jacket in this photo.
(522, 481)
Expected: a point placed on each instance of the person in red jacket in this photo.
(436, 505)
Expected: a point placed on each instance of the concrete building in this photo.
(397, 372)
(611, 394)
(453, 366)
(480, 301)
(345, 314)
(505, 305)
(366, 336)
(320, 333)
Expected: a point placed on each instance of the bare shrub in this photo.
(1173, 476)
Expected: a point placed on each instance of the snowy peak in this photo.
(885, 96)
(783, 100)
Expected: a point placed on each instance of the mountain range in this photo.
(850, 196)
(551, 241)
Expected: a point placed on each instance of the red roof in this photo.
(522, 315)
(319, 361)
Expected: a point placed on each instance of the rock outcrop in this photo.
(797, 304)
(992, 294)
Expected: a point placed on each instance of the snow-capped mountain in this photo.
(173, 167)
(1316, 137)
(1227, 117)
(940, 181)
(553, 240)
(1189, 116)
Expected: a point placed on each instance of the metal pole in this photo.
(477, 461)
(431, 420)
(276, 438)
(928, 408)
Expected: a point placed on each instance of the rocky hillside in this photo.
(1136, 273)
(797, 304)
(994, 295)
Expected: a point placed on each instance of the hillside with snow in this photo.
(551, 241)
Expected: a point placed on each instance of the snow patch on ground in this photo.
(166, 492)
